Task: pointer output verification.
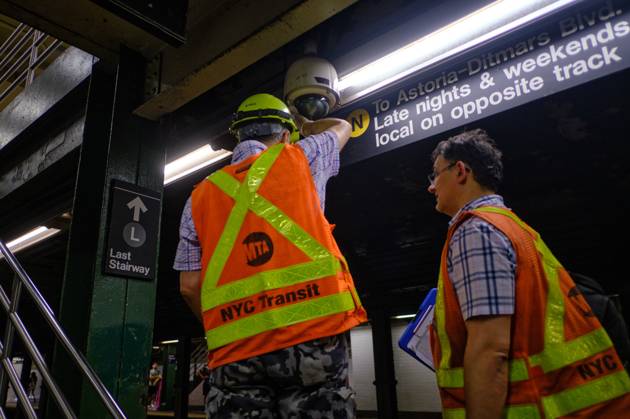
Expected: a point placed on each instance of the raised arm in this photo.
(340, 127)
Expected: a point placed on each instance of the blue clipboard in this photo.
(415, 340)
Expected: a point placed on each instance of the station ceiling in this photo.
(221, 38)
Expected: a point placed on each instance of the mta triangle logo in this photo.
(258, 248)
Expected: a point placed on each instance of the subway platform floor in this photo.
(360, 415)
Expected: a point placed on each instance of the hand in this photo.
(340, 127)
(301, 121)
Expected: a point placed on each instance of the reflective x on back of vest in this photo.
(322, 263)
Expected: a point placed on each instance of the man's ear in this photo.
(462, 170)
(286, 137)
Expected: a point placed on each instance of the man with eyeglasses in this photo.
(511, 335)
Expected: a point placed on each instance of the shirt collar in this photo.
(492, 200)
(247, 148)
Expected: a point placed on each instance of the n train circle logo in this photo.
(359, 119)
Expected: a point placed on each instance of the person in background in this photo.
(509, 337)
(155, 378)
(260, 268)
(204, 375)
(32, 385)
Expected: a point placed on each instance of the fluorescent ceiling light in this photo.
(32, 237)
(472, 30)
(404, 316)
(166, 342)
(191, 162)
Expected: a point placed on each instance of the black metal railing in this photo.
(198, 358)
(15, 324)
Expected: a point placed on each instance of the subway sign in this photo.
(578, 46)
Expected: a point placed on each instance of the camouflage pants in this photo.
(309, 380)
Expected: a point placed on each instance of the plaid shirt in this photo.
(481, 264)
(322, 153)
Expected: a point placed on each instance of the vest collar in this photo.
(492, 200)
(247, 148)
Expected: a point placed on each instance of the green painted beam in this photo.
(111, 318)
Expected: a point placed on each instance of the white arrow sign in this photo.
(137, 205)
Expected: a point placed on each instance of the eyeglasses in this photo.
(435, 174)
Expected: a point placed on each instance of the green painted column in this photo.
(109, 318)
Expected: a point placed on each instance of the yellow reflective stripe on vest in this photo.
(557, 356)
(557, 353)
(580, 397)
(272, 279)
(250, 185)
(274, 216)
(518, 370)
(454, 413)
(454, 377)
(289, 228)
(285, 316)
(225, 182)
(522, 411)
(323, 264)
(450, 377)
(440, 328)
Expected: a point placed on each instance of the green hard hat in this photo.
(262, 108)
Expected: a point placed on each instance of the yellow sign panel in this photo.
(360, 121)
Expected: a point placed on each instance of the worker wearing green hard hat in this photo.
(262, 115)
(262, 272)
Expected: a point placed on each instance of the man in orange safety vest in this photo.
(512, 335)
(266, 277)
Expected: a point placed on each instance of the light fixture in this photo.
(191, 162)
(482, 25)
(166, 342)
(32, 237)
(405, 316)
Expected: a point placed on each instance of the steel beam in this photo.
(61, 78)
(235, 58)
(182, 378)
(384, 371)
(83, 24)
(51, 151)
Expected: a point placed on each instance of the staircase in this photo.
(198, 360)
(14, 323)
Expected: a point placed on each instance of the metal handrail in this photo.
(198, 356)
(16, 48)
(20, 57)
(28, 72)
(21, 279)
(11, 37)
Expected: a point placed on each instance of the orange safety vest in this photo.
(273, 275)
(561, 361)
